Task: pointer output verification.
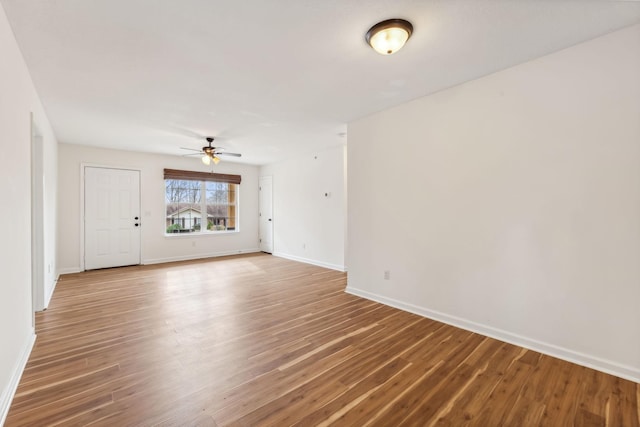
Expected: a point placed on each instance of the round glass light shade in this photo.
(216, 160)
(389, 36)
(206, 160)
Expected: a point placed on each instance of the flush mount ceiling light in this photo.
(389, 36)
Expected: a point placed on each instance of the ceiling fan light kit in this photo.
(389, 36)
(208, 158)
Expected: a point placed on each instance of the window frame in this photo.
(203, 178)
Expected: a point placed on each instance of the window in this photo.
(200, 202)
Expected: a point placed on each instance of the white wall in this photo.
(18, 99)
(307, 225)
(155, 246)
(510, 205)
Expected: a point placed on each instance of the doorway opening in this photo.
(37, 220)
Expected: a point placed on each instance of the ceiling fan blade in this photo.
(190, 149)
(192, 154)
(229, 154)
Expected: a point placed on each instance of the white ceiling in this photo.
(270, 78)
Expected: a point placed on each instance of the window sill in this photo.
(199, 234)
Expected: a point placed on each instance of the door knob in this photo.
(136, 218)
(136, 224)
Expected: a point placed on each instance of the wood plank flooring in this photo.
(257, 340)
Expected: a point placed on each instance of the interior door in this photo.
(112, 217)
(266, 214)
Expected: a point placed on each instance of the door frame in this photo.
(260, 180)
(38, 276)
(84, 165)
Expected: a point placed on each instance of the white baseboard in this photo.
(311, 261)
(10, 390)
(199, 256)
(607, 366)
(68, 270)
(47, 298)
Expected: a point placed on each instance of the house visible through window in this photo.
(198, 202)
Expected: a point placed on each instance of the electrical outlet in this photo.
(387, 275)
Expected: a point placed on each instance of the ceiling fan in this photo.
(210, 153)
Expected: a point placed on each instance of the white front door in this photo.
(266, 214)
(111, 217)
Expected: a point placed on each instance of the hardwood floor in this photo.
(259, 340)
